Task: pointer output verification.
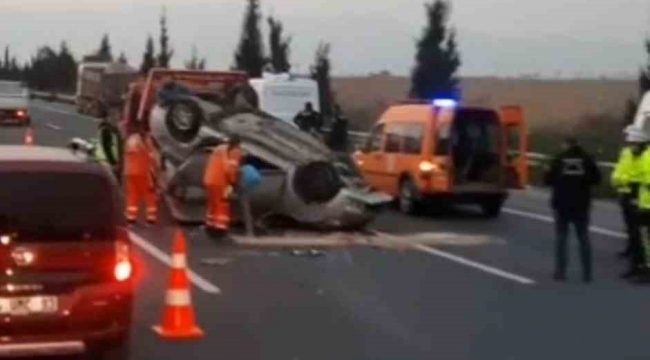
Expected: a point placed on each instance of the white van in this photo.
(284, 96)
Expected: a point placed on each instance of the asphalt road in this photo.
(463, 288)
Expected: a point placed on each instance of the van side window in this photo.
(393, 139)
(413, 138)
(374, 141)
(443, 139)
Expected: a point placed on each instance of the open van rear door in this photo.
(514, 147)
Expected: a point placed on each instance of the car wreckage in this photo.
(302, 179)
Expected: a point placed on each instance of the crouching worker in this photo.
(220, 179)
(138, 177)
(250, 179)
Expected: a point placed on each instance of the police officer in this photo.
(626, 179)
(572, 174)
(643, 217)
(109, 147)
(338, 137)
(308, 119)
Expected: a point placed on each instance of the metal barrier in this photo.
(357, 138)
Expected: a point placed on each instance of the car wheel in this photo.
(492, 209)
(407, 201)
(244, 96)
(183, 121)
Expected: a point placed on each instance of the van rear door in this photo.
(514, 147)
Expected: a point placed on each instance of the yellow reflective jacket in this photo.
(644, 189)
(628, 170)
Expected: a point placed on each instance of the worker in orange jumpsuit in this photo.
(220, 179)
(139, 175)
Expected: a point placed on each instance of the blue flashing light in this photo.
(445, 103)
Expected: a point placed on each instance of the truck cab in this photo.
(422, 152)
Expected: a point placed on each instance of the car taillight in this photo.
(123, 267)
(21, 113)
(123, 271)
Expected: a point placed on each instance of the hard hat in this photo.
(634, 134)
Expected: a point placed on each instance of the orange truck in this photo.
(437, 152)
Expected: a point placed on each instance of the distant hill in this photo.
(546, 102)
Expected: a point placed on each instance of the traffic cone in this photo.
(178, 317)
(29, 136)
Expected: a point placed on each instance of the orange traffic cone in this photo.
(29, 136)
(178, 317)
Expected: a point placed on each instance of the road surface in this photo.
(465, 288)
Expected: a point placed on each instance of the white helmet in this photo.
(634, 134)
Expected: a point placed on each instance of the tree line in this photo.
(434, 75)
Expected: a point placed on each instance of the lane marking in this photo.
(52, 126)
(466, 262)
(549, 219)
(476, 265)
(161, 256)
(64, 112)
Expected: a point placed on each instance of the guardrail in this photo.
(535, 159)
(52, 96)
(357, 137)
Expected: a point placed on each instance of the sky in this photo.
(550, 38)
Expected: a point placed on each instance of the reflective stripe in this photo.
(179, 261)
(178, 298)
(131, 208)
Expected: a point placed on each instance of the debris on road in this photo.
(308, 253)
(216, 261)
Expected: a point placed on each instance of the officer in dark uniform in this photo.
(338, 137)
(308, 119)
(571, 176)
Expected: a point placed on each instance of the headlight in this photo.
(428, 166)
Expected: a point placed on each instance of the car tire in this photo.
(407, 200)
(492, 208)
(244, 96)
(183, 121)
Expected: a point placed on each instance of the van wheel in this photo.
(407, 201)
(492, 209)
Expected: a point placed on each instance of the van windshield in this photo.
(287, 100)
(56, 206)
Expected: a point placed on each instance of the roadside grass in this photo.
(600, 135)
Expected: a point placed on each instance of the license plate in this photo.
(22, 306)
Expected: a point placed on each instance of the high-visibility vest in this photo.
(137, 159)
(644, 188)
(223, 167)
(628, 170)
(100, 151)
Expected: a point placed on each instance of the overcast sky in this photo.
(497, 37)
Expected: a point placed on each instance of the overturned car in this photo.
(302, 179)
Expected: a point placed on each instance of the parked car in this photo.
(66, 281)
(14, 101)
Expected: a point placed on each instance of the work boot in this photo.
(587, 279)
(559, 277)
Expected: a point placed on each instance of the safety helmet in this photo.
(635, 134)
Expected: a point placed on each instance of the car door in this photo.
(514, 149)
(370, 157)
